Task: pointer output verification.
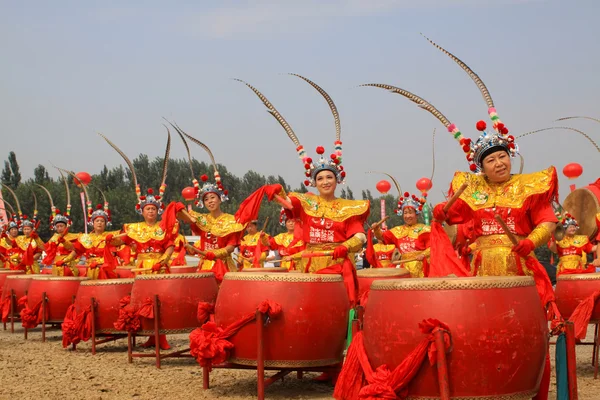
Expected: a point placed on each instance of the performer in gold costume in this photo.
(572, 249)
(60, 245)
(288, 246)
(412, 238)
(219, 231)
(332, 227)
(249, 244)
(523, 201)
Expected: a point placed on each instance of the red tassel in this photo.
(443, 260)
(346, 269)
(204, 311)
(169, 222)
(219, 269)
(370, 253)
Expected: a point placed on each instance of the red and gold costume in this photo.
(328, 224)
(572, 253)
(248, 246)
(524, 202)
(92, 247)
(286, 245)
(62, 246)
(150, 242)
(411, 241)
(215, 235)
(384, 253)
(15, 254)
(179, 251)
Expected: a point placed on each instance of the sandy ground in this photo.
(30, 369)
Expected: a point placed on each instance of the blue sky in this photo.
(71, 68)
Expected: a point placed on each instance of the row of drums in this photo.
(498, 328)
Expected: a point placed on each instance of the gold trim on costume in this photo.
(281, 277)
(221, 226)
(595, 276)
(481, 194)
(488, 282)
(381, 272)
(337, 210)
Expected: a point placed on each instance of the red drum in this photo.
(4, 273)
(19, 283)
(60, 291)
(124, 272)
(178, 295)
(498, 328)
(572, 289)
(270, 269)
(311, 329)
(184, 269)
(370, 275)
(107, 293)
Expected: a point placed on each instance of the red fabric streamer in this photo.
(209, 344)
(250, 207)
(204, 311)
(30, 317)
(370, 253)
(5, 308)
(51, 249)
(219, 269)
(124, 254)
(180, 259)
(443, 260)
(358, 380)
(582, 314)
(346, 269)
(169, 220)
(28, 256)
(70, 331)
(542, 282)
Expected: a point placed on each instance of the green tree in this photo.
(10, 174)
(40, 175)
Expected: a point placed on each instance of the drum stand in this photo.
(262, 383)
(44, 313)
(100, 338)
(571, 349)
(13, 308)
(157, 354)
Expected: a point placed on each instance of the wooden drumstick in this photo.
(265, 225)
(378, 224)
(398, 262)
(317, 254)
(455, 196)
(510, 235)
(187, 215)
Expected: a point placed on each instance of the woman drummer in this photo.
(572, 249)
(522, 201)
(219, 232)
(287, 245)
(332, 228)
(412, 238)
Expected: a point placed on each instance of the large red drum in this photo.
(107, 293)
(184, 269)
(18, 283)
(60, 291)
(7, 272)
(370, 275)
(311, 330)
(178, 296)
(572, 289)
(498, 329)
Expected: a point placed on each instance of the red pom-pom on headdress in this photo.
(481, 126)
(150, 191)
(320, 150)
(204, 178)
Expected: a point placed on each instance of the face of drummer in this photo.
(60, 227)
(496, 166)
(410, 216)
(289, 224)
(251, 229)
(150, 214)
(13, 232)
(27, 231)
(571, 230)
(99, 225)
(326, 183)
(212, 202)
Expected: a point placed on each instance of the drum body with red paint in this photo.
(572, 289)
(369, 275)
(311, 329)
(60, 292)
(178, 296)
(107, 293)
(498, 329)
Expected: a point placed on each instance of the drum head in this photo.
(583, 204)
